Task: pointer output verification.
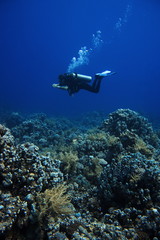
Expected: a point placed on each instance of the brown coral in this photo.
(55, 201)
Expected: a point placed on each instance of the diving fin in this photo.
(105, 73)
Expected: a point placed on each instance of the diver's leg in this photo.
(94, 87)
(97, 83)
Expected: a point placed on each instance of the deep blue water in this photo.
(40, 37)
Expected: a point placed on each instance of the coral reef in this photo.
(92, 178)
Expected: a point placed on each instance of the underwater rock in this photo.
(124, 120)
(23, 174)
(23, 170)
(130, 181)
(13, 119)
(13, 211)
(123, 132)
(42, 131)
(111, 172)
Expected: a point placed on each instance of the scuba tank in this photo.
(81, 77)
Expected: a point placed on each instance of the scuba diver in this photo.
(73, 82)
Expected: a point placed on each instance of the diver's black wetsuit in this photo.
(74, 84)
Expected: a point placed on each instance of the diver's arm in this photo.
(61, 87)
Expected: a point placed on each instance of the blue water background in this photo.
(40, 37)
